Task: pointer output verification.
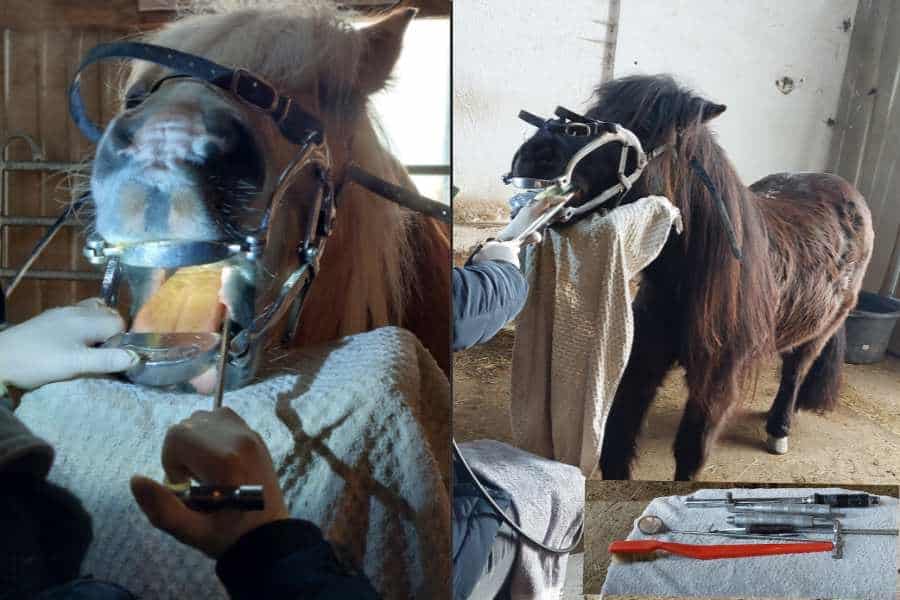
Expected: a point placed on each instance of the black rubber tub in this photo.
(869, 327)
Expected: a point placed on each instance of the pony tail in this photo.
(822, 386)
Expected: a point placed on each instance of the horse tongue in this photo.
(188, 302)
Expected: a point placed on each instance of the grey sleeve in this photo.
(486, 296)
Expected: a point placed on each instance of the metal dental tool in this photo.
(167, 358)
(560, 197)
(799, 521)
(208, 498)
(835, 500)
(779, 508)
(653, 525)
(798, 524)
(223, 361)
(835, 527)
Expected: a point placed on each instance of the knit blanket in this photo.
(574, 336)
(358, 430)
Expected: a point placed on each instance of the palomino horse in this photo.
(188, 162)
(804, 242)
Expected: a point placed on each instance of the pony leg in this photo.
(707, 407)
(794, 369)
(652, 355)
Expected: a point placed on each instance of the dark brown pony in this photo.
(806, 239)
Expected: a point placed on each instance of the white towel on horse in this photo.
(358, 432)
(867, 569)
(574, 336)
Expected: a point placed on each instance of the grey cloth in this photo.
(548, 502)
(867, 570)
(357, 431)
(494, 580)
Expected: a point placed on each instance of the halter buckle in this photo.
(256, 83)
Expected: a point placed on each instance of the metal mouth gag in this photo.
(174, 358)
(582, 136)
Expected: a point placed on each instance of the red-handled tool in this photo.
(714, 551)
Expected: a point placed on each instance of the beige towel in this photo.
(359, 434)
(574, 336)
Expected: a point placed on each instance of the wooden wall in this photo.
(866, 145)
(43, 41)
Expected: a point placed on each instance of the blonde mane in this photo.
(367, 270)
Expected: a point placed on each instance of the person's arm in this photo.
(486, 296)
(31, 508)
(260, 554)
(288, 559)
(490, 290)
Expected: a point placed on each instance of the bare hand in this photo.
(219, 448)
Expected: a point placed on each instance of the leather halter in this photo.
(294, 123)
(581, 136)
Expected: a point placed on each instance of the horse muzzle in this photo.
(579, 137)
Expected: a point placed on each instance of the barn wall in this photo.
(42, 43)
(513, 55)
(734, 52)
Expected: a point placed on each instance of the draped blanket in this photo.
(574, 336)
(358, 430)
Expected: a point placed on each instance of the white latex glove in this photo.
(505, 251)
(526, 216)
(56, 345)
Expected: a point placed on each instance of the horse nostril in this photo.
(212, 150)
(121, 134)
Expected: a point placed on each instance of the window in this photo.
(414, 111)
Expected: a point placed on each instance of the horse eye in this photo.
(135, 95)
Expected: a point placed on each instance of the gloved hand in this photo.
(216, 448)
(56, 345)
(494, 250)
(525, 217)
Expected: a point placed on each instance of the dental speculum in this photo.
(559, 191)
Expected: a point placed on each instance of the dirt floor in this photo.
(613, 506)
(858, 443)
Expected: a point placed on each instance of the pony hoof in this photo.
(777, 445)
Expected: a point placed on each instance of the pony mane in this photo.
(367, 269)
(730, 310)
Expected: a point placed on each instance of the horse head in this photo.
(185, 161)
(660, 113)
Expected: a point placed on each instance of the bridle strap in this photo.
(294, 123)
(720, 206)
(402, 196)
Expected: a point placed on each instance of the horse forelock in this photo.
(291, 43)
(730, 305)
